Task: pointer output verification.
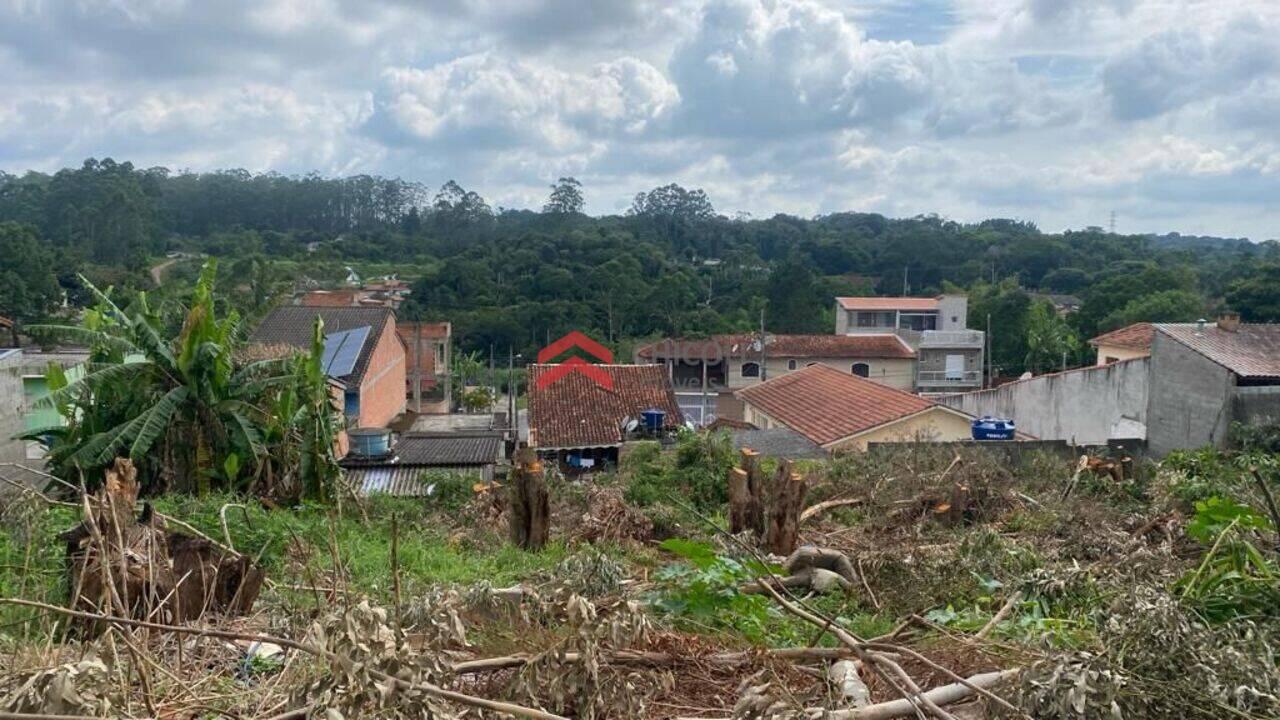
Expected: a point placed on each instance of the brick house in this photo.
(363, 351)
(427, 345)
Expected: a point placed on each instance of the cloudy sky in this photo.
(1166, 112)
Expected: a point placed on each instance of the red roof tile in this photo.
(1252, 350)
(783, 346)
(888, 303)
(1136, 336)
(575, 412)
(328, 298)
(826, 405)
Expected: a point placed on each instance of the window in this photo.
(1110, 359)
(955, 367)
(861, 369)
(918, 322)
(875, 319)
(791, 364)
(750, 369)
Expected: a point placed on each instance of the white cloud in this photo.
(1054, 111)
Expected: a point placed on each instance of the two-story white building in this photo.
(949, 355)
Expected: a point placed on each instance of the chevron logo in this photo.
(575, 364)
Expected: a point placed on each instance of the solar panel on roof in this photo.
(342, 349)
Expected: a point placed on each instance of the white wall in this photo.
(1081, 406)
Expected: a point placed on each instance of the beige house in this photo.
(706, 372)
(843, 412)
(1127, 343)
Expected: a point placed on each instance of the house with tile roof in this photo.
(1186, 391)
(1206, 376)
(949, 356)
(575, 415)
(1126, 343)
(840, 411)
(364, 355)
(730, 362)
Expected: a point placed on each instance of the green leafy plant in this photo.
(1234, 579)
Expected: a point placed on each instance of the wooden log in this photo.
(942, 695)
(755, 515)
(739, 501)
(530, 506)
(786, 502)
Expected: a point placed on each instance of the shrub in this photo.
(697, 475)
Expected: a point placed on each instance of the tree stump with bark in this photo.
(746, 494)
(529, 506)
(127, 564)
(785, 503)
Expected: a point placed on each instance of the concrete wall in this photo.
(933, 425)
(1190, 398)
(953, 312)
(382, 395)
(894, 372)
(11, 408)
(1085, 406)
(1256, 404)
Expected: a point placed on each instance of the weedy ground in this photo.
(1114, 590)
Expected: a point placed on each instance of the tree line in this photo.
(670, 265)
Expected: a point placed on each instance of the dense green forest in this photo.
(670, 265)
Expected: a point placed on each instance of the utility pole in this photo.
(702, 418)
(906, 287)
(990, 371)
(764, 374)
(493, 383)
(513, 420)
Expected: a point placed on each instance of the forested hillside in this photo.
(671, 265)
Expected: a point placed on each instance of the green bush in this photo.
(696, 476)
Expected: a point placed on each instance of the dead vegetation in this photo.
(920, 585)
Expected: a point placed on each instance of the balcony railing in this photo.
(951, 339)
(935, 378)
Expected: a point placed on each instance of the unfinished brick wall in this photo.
(382, 392)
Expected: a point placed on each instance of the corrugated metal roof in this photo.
(398, 481)
(424, 450)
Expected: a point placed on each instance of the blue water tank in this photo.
(653, 419)
(993, 428)
(370, 442)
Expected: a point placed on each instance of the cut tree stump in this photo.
(128, 565)
(786, 502)
(530, 508)
(753, 509)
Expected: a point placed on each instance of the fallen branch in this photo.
(429, 688)
(1271, 502)
(819, 508)
(942, 695)
(631, 657)
(999, 617)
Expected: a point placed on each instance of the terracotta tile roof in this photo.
(783, 346)
(291, 325)
(1136, 336)
(1252, 350)
(575, 412)
(887, 303)
(825, 404)
(328, 298)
